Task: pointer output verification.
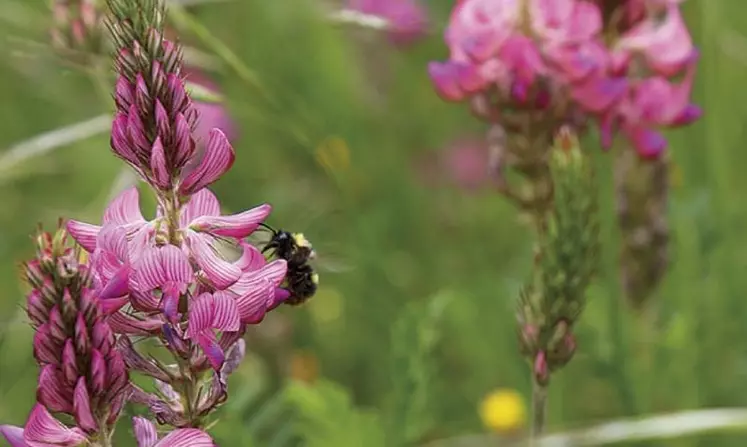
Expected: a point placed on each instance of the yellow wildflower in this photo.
(503, 411)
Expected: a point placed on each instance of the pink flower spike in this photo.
(218, 159)
(237, 226)
(43, 430)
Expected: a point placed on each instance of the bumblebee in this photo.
(301, 279)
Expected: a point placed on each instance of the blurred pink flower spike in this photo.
(407, 20)
(42, 430)
(146, 436)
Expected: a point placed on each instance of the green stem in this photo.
(539, 410)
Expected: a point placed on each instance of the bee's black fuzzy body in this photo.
(301, 280)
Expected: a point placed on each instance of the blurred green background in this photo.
(414, 320)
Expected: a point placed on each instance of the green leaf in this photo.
(327, 417)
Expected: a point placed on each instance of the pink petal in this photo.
(599, 93)
(117, 287)
(219, 271)
(159, 265)
(649, 144)
(52, 392)
(186, 437)
(43, 430)
(212, 349)
(145, 432)
(585, 21)
(251, 257)
(523, 57)
(125, 324)
(225, 312)
(238, 225)
(255, 300)
(113, 238)
(200, 315)
(667, 46)
(145, 301)
(84, 234)
(447, 77)
(125, 208)
(82, 407)
(274, 272)
(218, 159)
(158, 167)
(202, 203)
(14, 435)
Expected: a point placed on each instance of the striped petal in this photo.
(202, 203)
(43, 430)
(125, 208)
(186, 437)
(84, 234)
(219, 271)
(218, 159)
(238, 225)
(145, 432)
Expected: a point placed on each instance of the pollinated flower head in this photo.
(82, 374)
(186, 277)
(574, 60)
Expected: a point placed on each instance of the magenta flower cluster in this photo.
(628, 64)
(164, 278)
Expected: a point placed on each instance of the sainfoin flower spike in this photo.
(556, 56)
(82, 373)
(187, 277)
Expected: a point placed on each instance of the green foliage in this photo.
(327, 417)
(415, 335)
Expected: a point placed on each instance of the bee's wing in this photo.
(331, 264)
(229, 249)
